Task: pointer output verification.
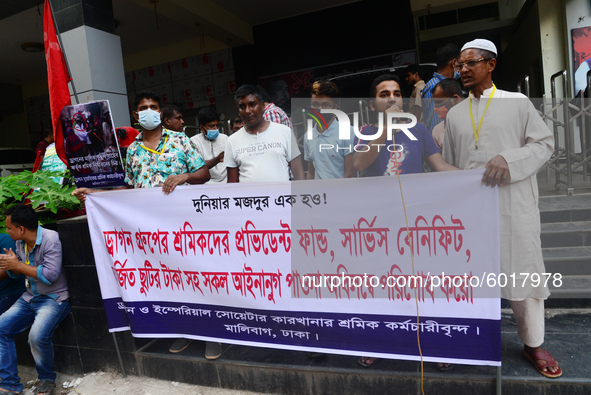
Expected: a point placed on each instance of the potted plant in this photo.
(41, 191)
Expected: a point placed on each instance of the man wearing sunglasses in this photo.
(506, 137)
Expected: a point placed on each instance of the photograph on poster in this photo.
(91, 145)
(581, 57)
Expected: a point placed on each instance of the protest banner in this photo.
(318, 266)
(91, 145)
(51, 160)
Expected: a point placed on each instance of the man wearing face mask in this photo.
(158, 156)
(446, 94)
(211, 143)
(324, 162)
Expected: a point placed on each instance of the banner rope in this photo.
(413, 273)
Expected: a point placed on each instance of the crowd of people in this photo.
(507, 139)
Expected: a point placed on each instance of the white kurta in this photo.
(209, 149)
(512, 128)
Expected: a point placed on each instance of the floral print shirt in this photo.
(176, 154)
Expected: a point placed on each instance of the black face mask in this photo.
(327, 117)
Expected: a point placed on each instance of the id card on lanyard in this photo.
(475, 128)
(154, 151)
(28, 262)
(477, 156)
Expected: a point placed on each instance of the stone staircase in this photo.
(566, 246)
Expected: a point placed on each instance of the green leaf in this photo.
(37, 189)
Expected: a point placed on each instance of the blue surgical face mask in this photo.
(212, 134)
(456, 75)
(149, 119)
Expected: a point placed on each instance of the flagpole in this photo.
(59, 37)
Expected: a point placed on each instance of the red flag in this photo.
(57, 78)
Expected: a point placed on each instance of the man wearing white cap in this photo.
(507, 137)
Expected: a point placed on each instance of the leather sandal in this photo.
(542, 355)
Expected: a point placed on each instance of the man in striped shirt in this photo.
(446, 56)
(272, 113)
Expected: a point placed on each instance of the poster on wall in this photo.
(581, 57)
(91, 145)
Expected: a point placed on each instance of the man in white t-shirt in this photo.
(261, 151)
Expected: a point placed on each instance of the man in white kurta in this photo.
(506, 136)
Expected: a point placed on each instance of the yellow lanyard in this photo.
(156, 152)
(477, 130)
(27, 255)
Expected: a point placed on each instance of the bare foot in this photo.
(444, 367)
(367, 362)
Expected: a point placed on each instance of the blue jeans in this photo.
(7, 301)
(42, 314)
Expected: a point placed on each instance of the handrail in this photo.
(525, 80)
(567, 131)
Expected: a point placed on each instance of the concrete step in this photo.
(574, 266)
(570, 287)
(566, 247)
(565, 215)
(566, 234)
(265, 370)
(568, 260)
(565, 208)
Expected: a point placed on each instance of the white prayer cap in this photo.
(481, 43)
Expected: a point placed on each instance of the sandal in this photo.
(366, 364)
(542, 355)
(45, 387)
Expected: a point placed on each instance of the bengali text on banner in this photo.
(336, 266)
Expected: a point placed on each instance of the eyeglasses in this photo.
(325, 104)
(469, 64)
(439, 103)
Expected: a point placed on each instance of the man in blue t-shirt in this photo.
(384, 157)
(10, 288)
(324, 162)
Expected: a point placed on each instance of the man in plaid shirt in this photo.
(272, 113)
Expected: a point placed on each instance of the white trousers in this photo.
(529, 314)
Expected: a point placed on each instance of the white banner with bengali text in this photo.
(337, 266)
